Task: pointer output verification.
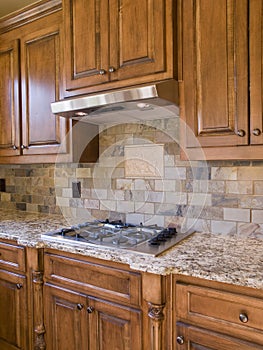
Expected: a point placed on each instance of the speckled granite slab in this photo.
(214, 257)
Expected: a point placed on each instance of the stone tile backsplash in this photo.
(223, 197)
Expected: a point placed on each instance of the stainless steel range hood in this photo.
(137, 104)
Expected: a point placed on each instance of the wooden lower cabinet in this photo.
(13, 311)
(217, 316)
(194, 338)
(90, 304)
(77, 321)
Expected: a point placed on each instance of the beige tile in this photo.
(239, 187)
(257, 216)
(258, 187)
(250, 173)
(235, 214)
(224, 173)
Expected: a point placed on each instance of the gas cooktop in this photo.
(146, 239)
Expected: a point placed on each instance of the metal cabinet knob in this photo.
(112, 69)
(180, 340)
(19, 285)
(256, 132)
(90, 309)
(80, 306)
(14, 147)
(243, 318)
(23, 147)
(241, 133)
(102, 71)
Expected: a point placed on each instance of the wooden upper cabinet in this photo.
(215, 71)
(115, 43)
(30, 79)
(40, 57)
(9, 102)
(256, 70)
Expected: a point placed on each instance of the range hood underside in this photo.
(137, 104)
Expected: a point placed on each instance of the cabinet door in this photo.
(215, 72)
(86, 41)
(9, 103)
(113, 326)
(40, 62)
(194, 338)
(65, 319)
(137, 37)
(256, 70)
(113, 43)
(13, 315)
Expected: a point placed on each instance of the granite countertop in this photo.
(219, 258)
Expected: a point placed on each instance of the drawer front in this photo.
(219, 310)
(12, 257)
(96, 279)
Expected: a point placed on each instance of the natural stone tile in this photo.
(258, 187)
(239, 187)
(175, 198)
(235, 214)
(223, 200)
(125, 206)
(253, 202)
(174, 173)
(91, 203)
(199, 199)
(249, 173)
(145, 208)
(257, 216)
(108, 205)
(224, 173)
(83, 172)
(223, 227)
(156, 197)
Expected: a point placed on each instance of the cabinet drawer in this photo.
(220, 310)
(12, 256)
(92, 278)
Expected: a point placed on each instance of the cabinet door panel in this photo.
(138, 45)
(114, 325)
(13, 312)
(42, 131)
(256, 70)
(86, 42)
(215, 71)
(65, 319)
(9, 104)
(199, 339)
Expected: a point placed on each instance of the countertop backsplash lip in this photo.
(222, 258)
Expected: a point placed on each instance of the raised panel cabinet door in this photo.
(113, 326)
(256, 70)
(86, 42)
(9, 102)
(194, 338)
(215, 72)
(13, 312)
(40, 73)
(138, 33)
(66, 319)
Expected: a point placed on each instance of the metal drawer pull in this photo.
(241, 133)
(80, 306)
(180, 340)
(256, 132)
(19, 286)
(243, 318)
(102, 71)
(111, 69)
(90, 309)
(14, 147)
